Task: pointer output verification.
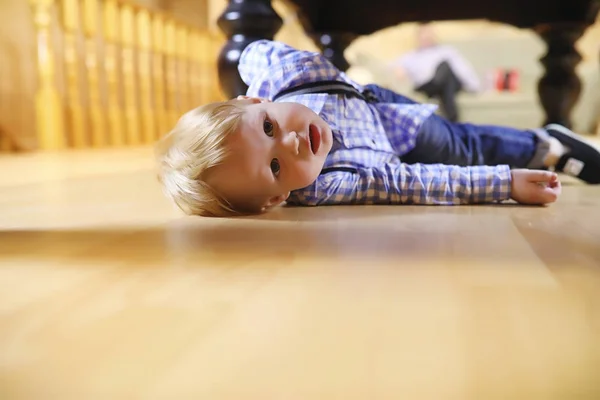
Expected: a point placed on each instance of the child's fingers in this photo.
(541, 176)
(549, 194)
(554, 183)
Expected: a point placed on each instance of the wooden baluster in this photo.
(5, 145)
(97, 117)
(182, 35)
(204, 74)
(6, 119)
(145, 63)
(75, 110)
(195, 84)
(209, 67)
(171, 71)
(215, 44)
(6, 91)
(132, 122)
(50, 127)
(116, 116)
(158, 70)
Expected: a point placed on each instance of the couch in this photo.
(520, 109)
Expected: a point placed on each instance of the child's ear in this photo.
(275, 201)
(254, 100)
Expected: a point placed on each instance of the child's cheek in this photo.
(305, 173)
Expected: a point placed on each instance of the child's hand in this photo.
(534, 186)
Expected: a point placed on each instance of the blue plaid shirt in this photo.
(369, 139)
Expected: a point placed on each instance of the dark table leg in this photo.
(243, 22)
(332, 45)
(598, 116)
(560, 87)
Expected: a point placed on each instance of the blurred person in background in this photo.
(437, 70)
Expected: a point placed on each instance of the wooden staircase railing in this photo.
(111, 73)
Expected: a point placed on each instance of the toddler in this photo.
(339, 142)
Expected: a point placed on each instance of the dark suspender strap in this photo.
(330, 87)
(343, 169)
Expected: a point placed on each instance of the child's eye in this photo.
(268, 128)
(275, 166)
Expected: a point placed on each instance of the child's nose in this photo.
(291, 142)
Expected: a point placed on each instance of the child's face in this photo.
(279, 147)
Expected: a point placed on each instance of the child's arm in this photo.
(269, 66)
(260, 55)
(429, 184)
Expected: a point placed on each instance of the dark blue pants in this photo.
(442, 141)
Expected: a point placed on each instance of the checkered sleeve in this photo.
(268, 67)
(259, 55)
(428, 184)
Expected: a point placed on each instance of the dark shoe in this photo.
(582, 160)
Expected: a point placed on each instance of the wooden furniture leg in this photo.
(243, 22)
(332, 45)
(560, 87)
(598, 121)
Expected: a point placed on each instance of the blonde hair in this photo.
(186, 155)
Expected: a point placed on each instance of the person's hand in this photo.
(534, 186)
(400, 73)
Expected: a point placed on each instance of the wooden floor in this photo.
(107, 292)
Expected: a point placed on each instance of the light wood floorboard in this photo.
(108, 292)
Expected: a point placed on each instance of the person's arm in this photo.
(260, 55)
(433, 184)
(399, 69)
(399, 72)
(267, 66)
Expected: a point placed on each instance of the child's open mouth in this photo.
(314, 136)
